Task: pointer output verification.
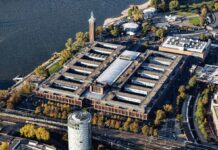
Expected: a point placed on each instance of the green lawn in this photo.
(195, 21)
(193, 4)
(182, 13)
(54, 68)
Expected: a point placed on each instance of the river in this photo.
(31, 30)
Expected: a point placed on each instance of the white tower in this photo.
(79, 131)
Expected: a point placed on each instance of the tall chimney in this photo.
(92, 28)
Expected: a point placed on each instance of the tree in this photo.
(160, 32)
(4, 146)
(154, 3)
(155, 133)
(112, 123)
(160, 115)
(145, 130)
(126, 124)
(65, 137)
(42, 134)
(9, 105)
(94, 119)
(115, 32)
(179, 117)
(192, 82)
(153, 29)
(173, 5)
(145, 26)
(99, 30)
(216, 6)
(181, 89)
(146, 44)
(168, 107)
(134, 127)
(204, 11)
(41, 71)
(100, 147)
(135, 13)
(117, 125)
(162, 6)
(69, 44)
(28, 131)
(38, 110)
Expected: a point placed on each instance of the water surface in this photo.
(31, 30)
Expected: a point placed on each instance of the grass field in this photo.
(54, 68)
(195, 21)
(182, 13)
(197, 4)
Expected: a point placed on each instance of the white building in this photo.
(149, 13)
(79, 131)
(170, 18)
(186, 46)
(130, 28)
(214, 110)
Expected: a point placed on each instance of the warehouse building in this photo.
(208, 74)
(186, 46)
(115, 80)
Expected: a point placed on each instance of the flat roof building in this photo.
(214, 110)
(113, 79)
(149, 12)
(130, 28)
(208, 74)
(186, 46)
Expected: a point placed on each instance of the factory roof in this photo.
(132, 79)
(112, 73)
(78, 73)
(139, 81)
(185, 44)
(208, 73)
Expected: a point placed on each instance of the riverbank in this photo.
(124, 14)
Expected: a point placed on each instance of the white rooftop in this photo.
(209, 73)
(150, 10)
(185, 44)
(130, 25)
(113, 72)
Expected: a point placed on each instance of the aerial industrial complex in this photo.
(113, 79)
(130, 78)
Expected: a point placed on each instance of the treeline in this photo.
(53, 110)
(201, 111)
(33, 132)
(70, 49)
(121, 123)
(135, 13)
(172, 5)
(9, 100)
(165, 5)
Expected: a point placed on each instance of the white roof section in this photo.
(79, 117)
(209, 73)
(130, 25)
(185, 44)
(150, 10)
(113, 72)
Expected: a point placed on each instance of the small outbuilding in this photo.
(149, 12)
(130, 28)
